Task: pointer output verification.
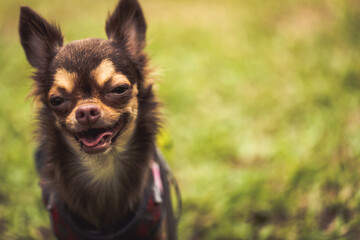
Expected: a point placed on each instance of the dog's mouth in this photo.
(97, 140)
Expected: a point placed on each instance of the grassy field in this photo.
(262, 114)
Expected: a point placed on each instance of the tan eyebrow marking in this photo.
(119, 79)
(106, 71)
(63, 79)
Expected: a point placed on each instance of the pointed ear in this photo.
(40, 39)
(127, 26)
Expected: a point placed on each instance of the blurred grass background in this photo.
(261, 100)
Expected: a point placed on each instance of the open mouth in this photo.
(97, 140)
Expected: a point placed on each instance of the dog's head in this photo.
(92, 86)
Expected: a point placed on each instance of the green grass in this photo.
(261, 104)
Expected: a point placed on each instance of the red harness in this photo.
(155, 207)
(143, 225)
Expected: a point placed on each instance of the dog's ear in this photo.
(127, 26)
(40, 39)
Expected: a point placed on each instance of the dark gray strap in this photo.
(168, 179)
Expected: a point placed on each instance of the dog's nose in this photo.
(88, 114)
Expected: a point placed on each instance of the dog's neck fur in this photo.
(102, 189)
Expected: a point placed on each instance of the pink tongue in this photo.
(92, 142)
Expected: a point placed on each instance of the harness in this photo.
(154, 208)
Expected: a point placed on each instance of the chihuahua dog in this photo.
(100, 172)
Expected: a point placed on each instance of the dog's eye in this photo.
(56, 101)
(120, 89)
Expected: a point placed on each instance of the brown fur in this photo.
(103, 188)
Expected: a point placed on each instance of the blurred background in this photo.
(261, 104)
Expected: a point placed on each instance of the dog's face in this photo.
(93, 94)
(90, 86)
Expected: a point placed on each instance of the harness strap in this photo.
(168, 179)
(158, 186)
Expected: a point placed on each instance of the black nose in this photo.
(88, 114)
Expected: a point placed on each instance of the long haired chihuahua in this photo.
(100, 172)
